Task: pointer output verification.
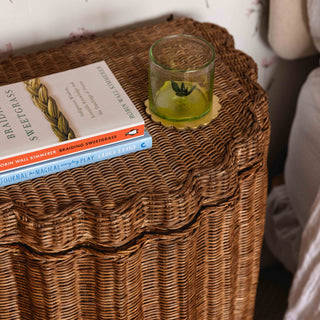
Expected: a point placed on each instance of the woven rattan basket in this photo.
(173, 232)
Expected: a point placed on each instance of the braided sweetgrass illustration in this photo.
(48, 106)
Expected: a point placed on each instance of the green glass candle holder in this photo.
(181, 77)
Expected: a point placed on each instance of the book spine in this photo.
(70, 147)
(75, 160)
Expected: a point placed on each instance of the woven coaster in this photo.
(181, 125)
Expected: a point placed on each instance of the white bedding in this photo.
(293, 209)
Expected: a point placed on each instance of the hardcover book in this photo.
(64, 113)
(75, 160)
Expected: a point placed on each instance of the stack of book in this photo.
(66, 120)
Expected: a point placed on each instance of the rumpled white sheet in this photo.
(282, 229)
(288, 206)
(293, 223)
(304, 298)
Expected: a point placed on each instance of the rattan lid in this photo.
(112, 202)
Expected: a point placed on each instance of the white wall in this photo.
(29, 25)
(26, 23)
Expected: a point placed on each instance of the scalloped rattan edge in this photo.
(31, 209)
(170, 232)
(206, 271)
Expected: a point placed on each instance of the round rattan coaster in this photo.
(187, 124)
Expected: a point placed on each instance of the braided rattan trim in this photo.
(49, 108)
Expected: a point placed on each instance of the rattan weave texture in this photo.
(173, 232)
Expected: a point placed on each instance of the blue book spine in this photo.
(76, 160)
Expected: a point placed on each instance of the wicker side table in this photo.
(173, 232)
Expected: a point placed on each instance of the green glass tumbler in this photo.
(181, 77)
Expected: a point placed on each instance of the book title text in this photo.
(23, 120)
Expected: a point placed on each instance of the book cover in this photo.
(64, 113)
(75, 160)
